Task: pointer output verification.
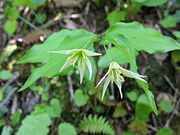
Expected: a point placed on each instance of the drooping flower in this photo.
(114, 75)
(79, 59)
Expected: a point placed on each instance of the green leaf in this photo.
(119, 112)
(12, 13)
(133, 95)
(80, 98)
(19, 2)
(149, 95)
(96, 125)
(165, 131)
(39, 52)
(66, 129)
(38, 2)
(1, 94)
(166, 106)
(124, 46)
(45, 96)
(15, 117)
(177, 15)
(143, 108)
(35, 125)
(39, 109)
(115, 37)
(175, 56)
(28, 3)
(135, 36)
(2, 122)
(97, 2)
(40, 18)
(116, 16)
(177, 34)
(153, 3)
(63, 40)
(7, 130)
(169, 22)
(31, 5)
(7, 52)
(10, 26)
(139, 126)
(5, 74)
(139, 1)
(141, 38)
(54, 110)
(92, 91)
(116, 54)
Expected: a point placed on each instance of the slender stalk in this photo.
(110, 59)
(32, 25)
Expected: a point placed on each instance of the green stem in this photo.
(110, 59)
(32, 25)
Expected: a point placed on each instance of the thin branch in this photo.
(152, 128)
(8, 97)
(11, 93)
(170, 83)
(71, 92)
(32, 25)
(172, 114)
(11, 80)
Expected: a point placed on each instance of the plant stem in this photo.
(32, 25)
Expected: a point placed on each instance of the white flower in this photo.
(114, 75)
(79, 57)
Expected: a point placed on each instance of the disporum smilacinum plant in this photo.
(67, 48)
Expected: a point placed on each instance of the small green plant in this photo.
(165, 131)
(149, 3)
(12, 14)
(95, 124)
(142, 104)
(80, 98)
(169, 22)
(35, 124)
(129, 8)
(166, 106)
(15, 117)
(66, 49)
(5, 75)
(66, 129)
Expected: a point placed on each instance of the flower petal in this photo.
(114, 65)
(72, 59)
(90, 53)
(131, 74)
(62, 51)
(102, 79)
(81, 68)
(108, 79)
(121, 79)
(66, 65)
(119, 84)
(88, 63)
